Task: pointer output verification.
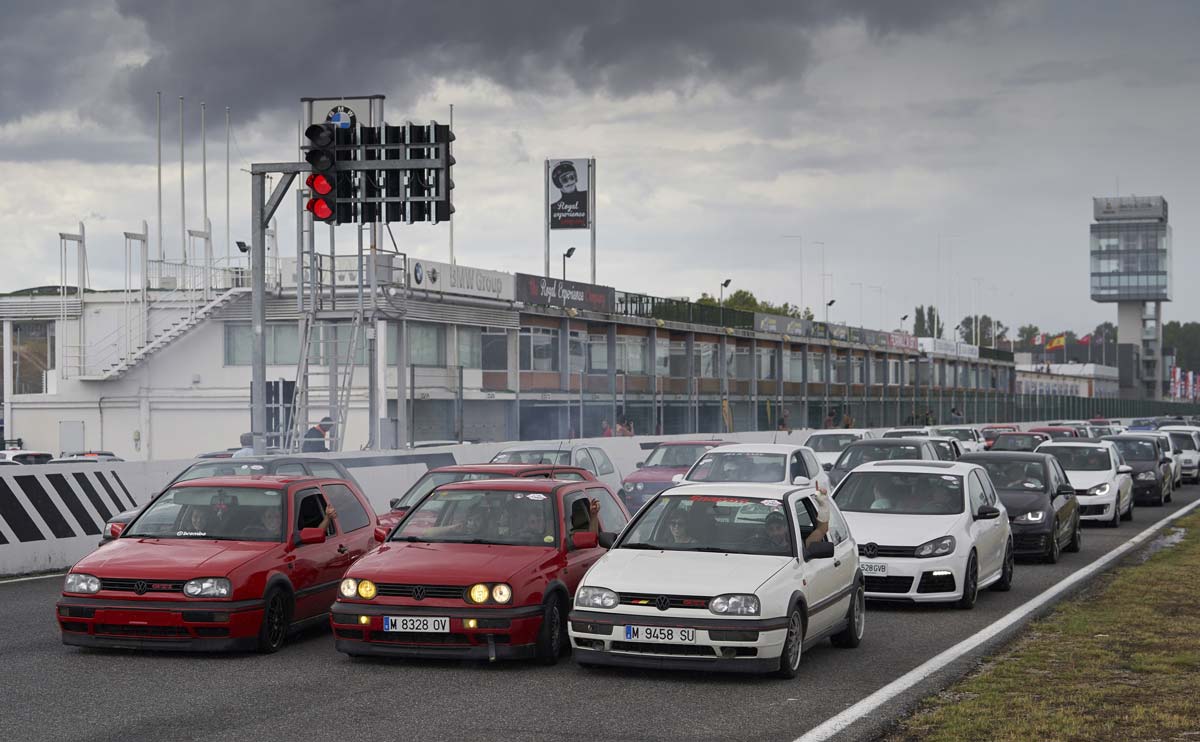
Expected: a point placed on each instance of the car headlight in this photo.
(1100, 489)
(1147, 476)
(367, 589)
(77, 583)
(640, 486)
(501, 593)
(348, 588)
(1033, 516)
(936, 548)
(596, 597)
(208, 587)
(734, 605)
(479, 593)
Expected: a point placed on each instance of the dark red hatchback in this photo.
(478, 570)
(222, 563)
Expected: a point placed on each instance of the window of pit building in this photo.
(427, 344)
(767, 360)
(577, 351)
(795, 366)
(706, 359)
(597, 353)
(633, 355)
(283, 344)
(738, 362)
(539, 349)
(470, 346)
(495, 348)
(33, 356)
(816, 367)
(858, 370)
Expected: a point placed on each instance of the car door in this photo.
(816, 578)
(1124, 480)
(1065, 506)
(577, 519)
(314, 569)
(354, 522)
(605, 470)
(985, 532)
(845, 558)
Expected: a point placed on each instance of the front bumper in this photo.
(1150, 491)
(499, 633)
(1031, 539)
(186, 626)
(721, 644)
(1097, 507)
(934, 580)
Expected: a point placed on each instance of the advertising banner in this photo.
(568, 191)
(790, 326)
(566, 294)
(432, 275)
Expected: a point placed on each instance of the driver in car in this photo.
(774, 535)
(271, 519)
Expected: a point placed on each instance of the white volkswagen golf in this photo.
(927, 531)
(716, 577)
(1103, 482)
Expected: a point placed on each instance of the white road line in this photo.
(836, 724)
(35, 577)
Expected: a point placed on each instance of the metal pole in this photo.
(204, 194)
(258, 313)
(228, 245)
(592, 210)
(158, 118)
(145, 261)
(546, 206)
(182, 203)
(452, 261)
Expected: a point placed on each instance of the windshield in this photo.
(679, 457)
(1016, 442)
(862, 453)
(223, 468)
(1061, 433)
(557, 456)
(1183, 441)
(911, 433)
(741, 466)
(901, 493)
(737, 525)
(963, 434)
(944, 450)
(220, 513)
(1136, 450)
(482, 516)
(434, 479)
(1013, 475)
(831, 442)
(1079, 458)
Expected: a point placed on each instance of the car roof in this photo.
(760, 490)
(514, 484)
(920, 467)
(258, 481)
(1021, 432)
(1141, 435)
(1081, 442)
(757, 448)
(978, 456)
(512, 469)
(1052, 428)
(709, 442)
(547, 446)
(887, 441)
(840, 431)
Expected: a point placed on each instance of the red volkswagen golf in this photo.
(478, 570)
(222, 563)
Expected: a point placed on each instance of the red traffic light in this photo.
(320, 209)
(319, 184)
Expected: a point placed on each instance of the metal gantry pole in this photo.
(158, 118)
(182, 201)
(258, 313)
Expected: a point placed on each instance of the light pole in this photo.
(828, 351)
(860, 301)
(803, 274)
(903, 319)
(974, 305)
(570, 251)
(721, 299)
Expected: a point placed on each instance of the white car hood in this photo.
(899, 530)
(682, 572)
(1082, 480)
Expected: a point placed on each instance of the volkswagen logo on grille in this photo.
(662, 602)
(140, 587)
(871, 550)
(419, 592)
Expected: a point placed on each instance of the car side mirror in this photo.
(801, 481)
(381, 534)
(394, 504)
(827, 467)
(1065, 490)
(1177, 452)
(312, 536)
(585, 540)
(820, 550)
(987, 512)
(640, 464)
(677, 478)
(607, 539)
(1124, 469)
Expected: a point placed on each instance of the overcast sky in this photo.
(890, 131)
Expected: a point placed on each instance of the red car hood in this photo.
(655, 474)
(170, 559)
(448, 564)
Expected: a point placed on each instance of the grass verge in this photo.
(1121, 662)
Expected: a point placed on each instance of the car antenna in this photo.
(554, 462)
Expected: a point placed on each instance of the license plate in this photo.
(873, 569)
(429, 625)
(661, 634)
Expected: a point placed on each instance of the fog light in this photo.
(471, 623)
(364, 620)
(941, 573)
(220, 617)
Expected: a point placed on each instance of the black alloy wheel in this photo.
(970, 584)
(276, 619)
(1004, 584)
(1076, 542)
(1053, 550)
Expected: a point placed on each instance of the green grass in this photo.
(1120, 663)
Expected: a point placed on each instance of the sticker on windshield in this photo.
(548, 539)
(535, 496)
(201, 534)
(256, 467)
(1033, 485)
(949, 478)
(772, 503)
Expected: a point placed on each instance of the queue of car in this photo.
(711, 555)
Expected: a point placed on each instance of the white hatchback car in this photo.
(1186, 438)
(970, 439)
(1172, 452)
(828, 444)
(1103, 482)
(765, 463)
(915, 432)
(715, 577)
(927, 531)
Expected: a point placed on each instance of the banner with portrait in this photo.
(568, 190)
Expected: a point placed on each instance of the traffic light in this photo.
(322, 182)
(442, 207)
(393, 180)
(345, 139)
(369, 185)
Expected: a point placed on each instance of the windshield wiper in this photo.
(410, 539)
(485, 541)
(641, 546)
(710, 549)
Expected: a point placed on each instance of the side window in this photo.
(838, 530)
(575, 508)
(603, 464)
(805, 514)
(310, 510)
(583, 459)
(975, 492)
(1062, 475)
(798, 468)
(350, 513)
(323, 469)
(813, 465)
(611, 516)
(290, 470)
(989, 490)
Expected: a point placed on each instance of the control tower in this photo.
(1131, 267)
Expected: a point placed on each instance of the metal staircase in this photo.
(327, 361)
(162, 330)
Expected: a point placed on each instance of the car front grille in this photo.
(696, 602)
(396, 590)
(142, 586)
(417, 637)
(1091, 510)
(888, 551)
(152, 632)
(1034, 541)
(888, 584)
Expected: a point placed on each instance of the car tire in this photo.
(550, 637)
(1004, 584)
(793, 645)
(1118, 516)
(277, 617)
(856, 619)
(1053, 550)
(1076, 542)
(970, 584)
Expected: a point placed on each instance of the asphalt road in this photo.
(308, 691)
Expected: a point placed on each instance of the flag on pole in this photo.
(1057, 342)
(1039, 338)
(1085, 340)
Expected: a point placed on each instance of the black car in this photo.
(880, 449)
(1152, 476)
(1042, 510)
(244, 466)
